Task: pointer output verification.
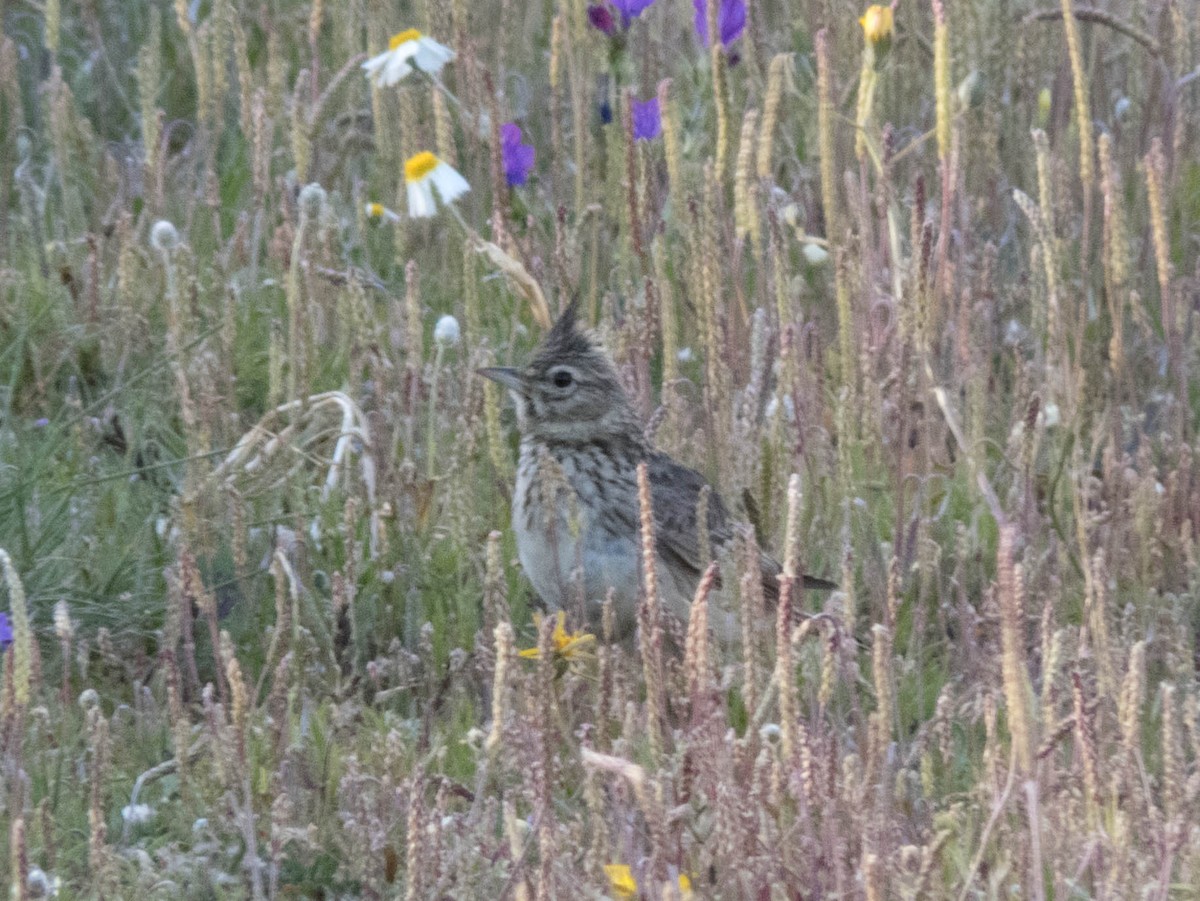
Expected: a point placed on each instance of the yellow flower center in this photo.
(403, 38)
(419, 166)
(375, 210)
(877, 23)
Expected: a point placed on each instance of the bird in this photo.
(575, 504)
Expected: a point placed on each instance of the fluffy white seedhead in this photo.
(164, 237)
(312, 198)
(447, 331)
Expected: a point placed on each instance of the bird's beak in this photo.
(507, 376)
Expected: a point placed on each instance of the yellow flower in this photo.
(567, 645)
(877, 23)
(623, 885)
(620, 880)
(423, 173)
(404, 49)
(379, 211)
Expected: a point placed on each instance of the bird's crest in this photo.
(565, 338)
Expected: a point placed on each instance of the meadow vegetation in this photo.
(916, 293)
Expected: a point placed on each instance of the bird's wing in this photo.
(675, 491)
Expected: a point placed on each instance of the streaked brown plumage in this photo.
(575, 506)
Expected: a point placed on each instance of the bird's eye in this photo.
(562, 379)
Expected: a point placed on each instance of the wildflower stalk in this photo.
(149, 79)
(1116, 256)
(239, 718)
(666, 317)
(245, 78)
(495, 594)
(785, 682)
(1174, 760)
(1083, 116)
(1085, 737)
(1154, 166)
(716, 55)
(18, 856)
(631, 185)
(1129, 705)
(439, 353)
(885, 701)
(1011, 591)
(414, 348)
(1057, 364)
(825, 140)
(946, 152)
(1044, 252)
(443, 129)
(98, 743)
(541, 777)
(497, 448)
(941, 79)
(825, 116)
(745, 188)
(310, 202)
(558, 63)
(672, 148)
(650, 618)
(751, 613)
(579, 107)
(779, 70)
(867, 81)
(503, 634)
(696, 660)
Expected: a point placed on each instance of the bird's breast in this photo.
(575, 510)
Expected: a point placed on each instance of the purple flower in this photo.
(731, 19)
(601, 18)
(518, 157)
(41, 423)
(6, 635)
(631, 9)
(647, 119)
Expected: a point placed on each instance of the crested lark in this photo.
(575, 507)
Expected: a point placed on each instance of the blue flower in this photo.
(6, 633)
(647, 119)
(518, 157)
(731, 20)
(631, 9)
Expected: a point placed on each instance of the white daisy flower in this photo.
(379, 211)
(423, 173)
(406, 49)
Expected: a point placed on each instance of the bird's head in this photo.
(570, 391)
